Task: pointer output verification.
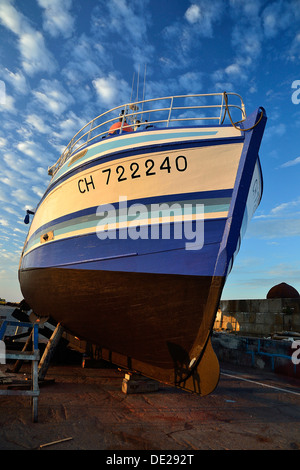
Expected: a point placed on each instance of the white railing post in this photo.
(91, 128)
(221, 112)
(170, 111)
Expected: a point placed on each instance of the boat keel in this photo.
(205, 374)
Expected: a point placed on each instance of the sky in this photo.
(63, 62)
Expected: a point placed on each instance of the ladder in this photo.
(24, 355)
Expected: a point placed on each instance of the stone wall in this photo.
(258, 317)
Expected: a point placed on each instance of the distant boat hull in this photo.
(148, 301)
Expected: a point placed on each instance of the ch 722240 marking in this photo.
(148, 168)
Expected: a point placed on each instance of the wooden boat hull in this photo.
(128, 312)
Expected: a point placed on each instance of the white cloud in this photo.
(294, 52)
(193, 14)
(282, 221)
(249, 9)
(204, 15)
(3, 195)
(13, 162)
(10, 180)
(4, 222)
(277, 16)
(128, 22)
(10, 17)
(276, 130)
(246, 38)
(284, 270)
(282, 211)
(37, 123)
(234, 70)
(285, 207)
(274, 228)
(57, 17)
(36, 57)
(296, 161)
(8, 105)
(20, 196)
(69, 127)
(105, 88)
(10, 210)
(111, 91)
(31, 149)
(3, 142)
(191, 82)
(19, 172)
(84, 60)
(53, 96)
(16, 79)
(34, 53)
(183, 38)
(38, 191)
(129, 17)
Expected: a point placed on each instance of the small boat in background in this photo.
(132, 242)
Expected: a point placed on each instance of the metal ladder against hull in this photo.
(24, 355)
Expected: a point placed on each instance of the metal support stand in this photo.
(24, 355)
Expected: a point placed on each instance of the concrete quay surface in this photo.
(249, 410)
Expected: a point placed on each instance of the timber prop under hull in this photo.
(150, 304)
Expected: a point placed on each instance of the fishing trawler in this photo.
(132, 242)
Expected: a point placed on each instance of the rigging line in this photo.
(144, 87)
(144, 82)
(137, 86)
(132, 87)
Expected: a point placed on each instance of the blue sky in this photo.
(62, 62)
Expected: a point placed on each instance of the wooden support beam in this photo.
(27, 346)
(133, 383)
(49, 351)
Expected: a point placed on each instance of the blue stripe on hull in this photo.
(205, 197)
(142, 255)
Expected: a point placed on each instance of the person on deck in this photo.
(117, 125)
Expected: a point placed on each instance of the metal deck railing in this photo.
(158, 112)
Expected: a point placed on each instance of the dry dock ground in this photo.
(249, 410)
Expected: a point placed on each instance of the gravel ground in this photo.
(88, 406)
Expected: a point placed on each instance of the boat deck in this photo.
(250, 409)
